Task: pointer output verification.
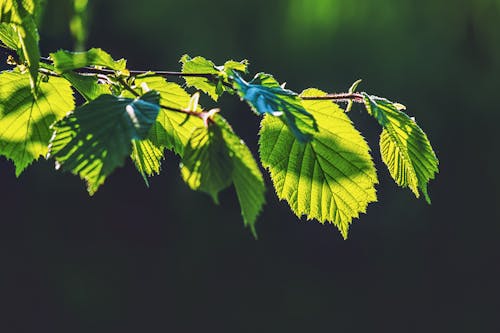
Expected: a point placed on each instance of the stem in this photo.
(127, 87)
(151, 73)
(342, 97)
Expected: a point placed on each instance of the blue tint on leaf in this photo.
(266, 96)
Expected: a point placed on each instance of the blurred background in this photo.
(133, 259)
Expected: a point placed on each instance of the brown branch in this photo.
(342, 97)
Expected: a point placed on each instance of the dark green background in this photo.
(165, 259)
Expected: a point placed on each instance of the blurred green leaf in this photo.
(332, 177)
(404, 147)
(25, 119)
(96, 138)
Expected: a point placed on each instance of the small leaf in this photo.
(65, 61)
(25, 120)
(147, 158)
(240, 66)
(96, 138)
(352, 89)
(330, 178)
(404, 147)
(213, 86)
(200, 65)
(265, 96)
(87, 85)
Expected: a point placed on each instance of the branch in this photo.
(206, 117)
(342, 97)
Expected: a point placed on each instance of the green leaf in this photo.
(215, 158)
(219, 82)
(9, 37)
(206, 165)
(9, 12)
(172, 130)
(22, 22)
(240, 66)
(330, 178)
(147, 158)
(25, 120)
(265, 96)
(28, 38)
(201, 65)
(352, 89)
(86, 85)
(65, 61)
(247, 177)
(96, 138)
(404, 147)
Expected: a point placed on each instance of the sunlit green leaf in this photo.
(19, 15)
(201, 65)
(147, 158)
(265, 96)
(206, 165)
(28, 38)
(172, 130)
(215, 84)
(25, 120)
(8, 35)
(240, 66)
(65, 61)
(86, 85)
(330, 178)
(96, 138)
(404, 147)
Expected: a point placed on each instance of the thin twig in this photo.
(342, 97)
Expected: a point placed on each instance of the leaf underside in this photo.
(215, 158)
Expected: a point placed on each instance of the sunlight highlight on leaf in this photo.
(332, 177)
(404, 147)
(96, 138)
